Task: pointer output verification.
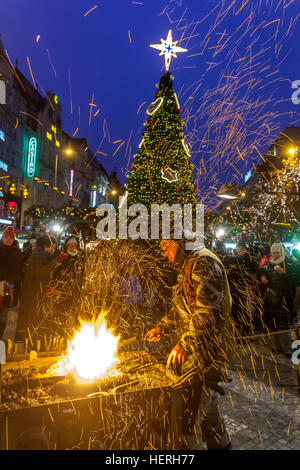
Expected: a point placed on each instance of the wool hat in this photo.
(277, 247)
(71, 239)
(9, 232)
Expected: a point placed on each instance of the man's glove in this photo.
(177, 357)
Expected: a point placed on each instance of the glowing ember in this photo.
(91, 353)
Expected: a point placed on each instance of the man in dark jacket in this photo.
(29, 247)
(39, 269)
(220, 249)
(202, 334)
(243, 280)
(11, 261)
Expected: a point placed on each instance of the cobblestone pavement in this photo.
(262, 404)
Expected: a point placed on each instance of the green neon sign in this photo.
(31, 156)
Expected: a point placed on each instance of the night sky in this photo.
(102, 54)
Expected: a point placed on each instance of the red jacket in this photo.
(265, 261)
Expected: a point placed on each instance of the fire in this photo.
(91, 353)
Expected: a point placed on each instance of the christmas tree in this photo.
(162, 172)
(275, 204)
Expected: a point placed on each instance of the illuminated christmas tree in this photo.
(162, 172)
(275, 206)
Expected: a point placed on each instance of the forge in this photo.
(132, 407)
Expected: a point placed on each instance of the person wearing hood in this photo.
(71, 269)
(11, 261)
(279, 278)
(65, 287)
(39, 269)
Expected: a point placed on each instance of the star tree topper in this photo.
(168, 48)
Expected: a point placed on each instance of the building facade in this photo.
(40, 164)
(287, 144)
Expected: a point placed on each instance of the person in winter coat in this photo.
(243, 279)
(266, 258)
(220, 249)
(29, 247)
(38, 273)
(202, 336)
(72, 266)
(279, 277)
(62, 300)
(11, 261)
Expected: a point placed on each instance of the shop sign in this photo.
(71, 182)
(31, 157)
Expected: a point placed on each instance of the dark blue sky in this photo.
(95, 53)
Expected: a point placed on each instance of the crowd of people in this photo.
(203, 302)
(265, 289)
(264, 284)
(29, 278)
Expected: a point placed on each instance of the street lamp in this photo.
(57, 228)
(292, 151)
(220, 233)
(68, 151)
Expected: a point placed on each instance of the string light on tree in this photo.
(275, 205)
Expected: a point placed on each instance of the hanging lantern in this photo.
(12, 188)
(25, 192)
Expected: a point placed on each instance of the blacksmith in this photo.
(202, 333)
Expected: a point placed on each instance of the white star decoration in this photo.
(168, 48)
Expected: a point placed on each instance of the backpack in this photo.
(226, 329)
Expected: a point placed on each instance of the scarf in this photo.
(276, 261)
